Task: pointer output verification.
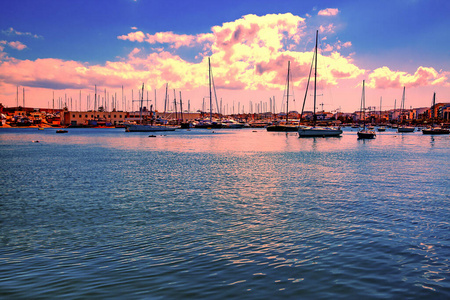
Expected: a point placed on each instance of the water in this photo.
(248, 214)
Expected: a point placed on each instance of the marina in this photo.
(223, 214)
(251, 150)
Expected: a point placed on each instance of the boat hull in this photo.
(405, 129)
(366, 134)
(282, 128)
(208, 126)
(319, 132)
(147, 128)
(436, 131)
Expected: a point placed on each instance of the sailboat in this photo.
(365, 133)
(434, 129)
(404, 128)
(313, 131)
(285, 127)
(143, 126)
(209, 123)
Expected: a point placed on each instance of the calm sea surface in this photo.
(247, 214)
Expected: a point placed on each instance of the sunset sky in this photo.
(64, 47)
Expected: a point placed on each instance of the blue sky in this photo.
(402, 35)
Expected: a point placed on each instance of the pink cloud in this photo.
(326, 29)
(249, 53)
(12, 31)
(328, 12)
(384, 78)
(17, 45)
(137, 36)
(347, 44)
(328, 48)
(174, 40)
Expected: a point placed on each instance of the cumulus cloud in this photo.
(385, 78)
(174, 40)
(137, 36)
(328, 12)
(250, 53)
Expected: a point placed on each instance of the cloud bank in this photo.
(250, 53)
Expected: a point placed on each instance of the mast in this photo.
(210, 91)
(175, 105)
(181, 109)
(432, 107)
(287, 96)
(381, 99)
(165, 100)
(363, 106)
(142, 101)
(95, 99)
(315, 78)
(307, 86)
(402, 108)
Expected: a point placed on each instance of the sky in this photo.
(63, 49)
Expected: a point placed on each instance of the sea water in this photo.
(218, 214)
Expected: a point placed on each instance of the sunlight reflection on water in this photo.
(241, 214)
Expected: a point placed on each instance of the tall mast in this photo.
(175, 105)
(155, 102)
(315, 78)
(432, 107)
(142, 101)
(381, 99)
(165, 100)
(402, 108)
(210, 91)
(181, 108)
(287, 96)
(363, 106)
(95, 99)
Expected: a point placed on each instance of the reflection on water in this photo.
(223, 214)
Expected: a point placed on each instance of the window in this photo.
(114, 116)
(73, 116)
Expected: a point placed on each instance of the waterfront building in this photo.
(85, 118)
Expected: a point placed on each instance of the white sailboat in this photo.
(404, 128)
(313, 131)
(285, 127)
(142, 127)
(365, 133)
